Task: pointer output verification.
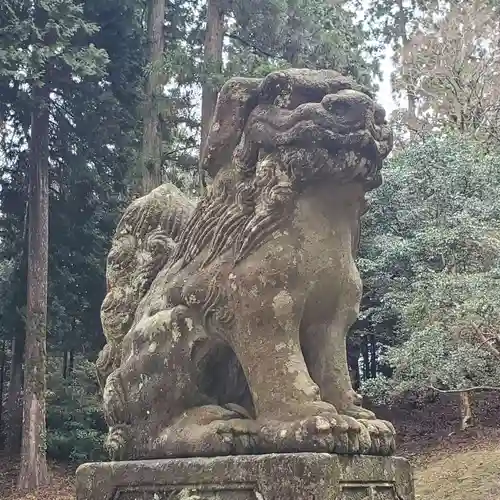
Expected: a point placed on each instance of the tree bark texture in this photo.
(405, 44)
(366, 358)
(71, 364)
(14, 404)
(33, 472)
(214, 39)
(373, 356)
(2, 382)
(465, 406)
(65, 365)
(353, 362)
(151, 139)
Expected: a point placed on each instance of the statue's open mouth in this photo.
(348, 121)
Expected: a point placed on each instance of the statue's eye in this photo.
(349, 107)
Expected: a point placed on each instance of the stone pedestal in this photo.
(306, 476)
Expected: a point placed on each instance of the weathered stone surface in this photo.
(307, 476)
(226, 322)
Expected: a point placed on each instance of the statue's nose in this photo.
(350, 107)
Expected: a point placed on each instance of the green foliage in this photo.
(431, 256)
(51, 34)
(313, 34)
(391, 24)
(75, 422)
(95, 78)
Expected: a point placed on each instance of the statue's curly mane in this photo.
(144, 239)
(237, 217)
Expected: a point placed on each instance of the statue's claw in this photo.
(383, 437)
(218, 438)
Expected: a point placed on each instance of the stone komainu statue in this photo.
(226, 322)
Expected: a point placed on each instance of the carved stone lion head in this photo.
(318, 123)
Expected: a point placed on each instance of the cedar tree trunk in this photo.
(214, 38)
(33, 472)
(151, 139)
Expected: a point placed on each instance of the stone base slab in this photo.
(304, 476)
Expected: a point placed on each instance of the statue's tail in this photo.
(146, 236)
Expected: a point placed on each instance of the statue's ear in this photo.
(236, 100)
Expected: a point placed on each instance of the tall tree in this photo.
(214, 40)
(34, 471)
(14, 130)
(152, 143)
(394, 23)
(451, 68)
(46, 48)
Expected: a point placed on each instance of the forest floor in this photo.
(449, 464)
(467, 474)
(62, 486)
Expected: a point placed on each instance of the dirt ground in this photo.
(61, 487)
(451, 464)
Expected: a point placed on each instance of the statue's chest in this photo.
(323, 243)
(299, 254)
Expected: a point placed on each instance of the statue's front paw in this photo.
(355, 440)
(382, 435)
(323, 433)
(314, 433)
(358, 412)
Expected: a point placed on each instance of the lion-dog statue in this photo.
(226, 321)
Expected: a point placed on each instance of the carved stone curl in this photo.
(226, 323)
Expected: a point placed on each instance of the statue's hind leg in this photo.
(152, 384)
(220, 427)
(165, 414)
(209, 430)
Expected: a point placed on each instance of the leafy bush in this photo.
(75, 422)
(431, 251)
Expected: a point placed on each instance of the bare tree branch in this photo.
(468, 389)
(257, 50)
(451, 68)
